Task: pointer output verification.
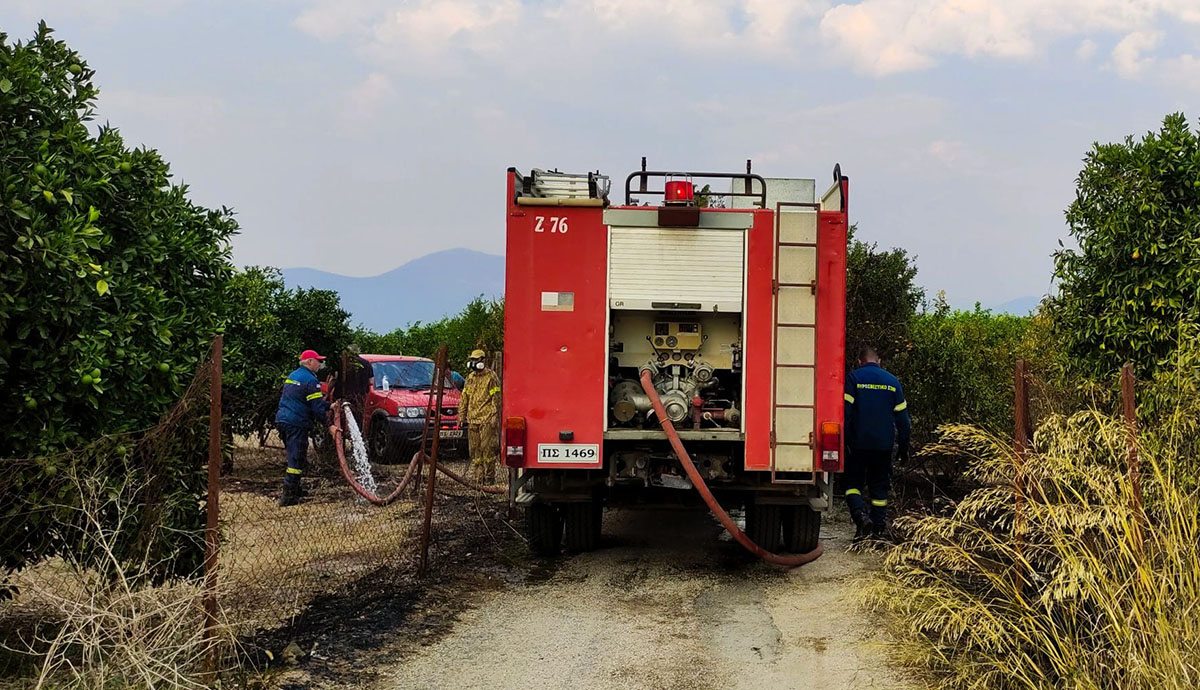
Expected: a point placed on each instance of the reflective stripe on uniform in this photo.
(901, 407)
(314, 396)
(293, 470)
(879, 502)
(853, 492)
(849, 398)
(294, 383)
(877, 387)
(494, 390)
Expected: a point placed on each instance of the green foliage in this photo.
(479, 325)
(112, 283)
(959, 366)
(881, 298)
(272, 327)
(1136, 274)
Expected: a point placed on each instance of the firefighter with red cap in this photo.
(301, 404)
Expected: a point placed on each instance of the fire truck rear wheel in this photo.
(763, 523)
(801, 529)
(544, 526)
(582, 525)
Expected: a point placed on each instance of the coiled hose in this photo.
(417, 459)
(698, 481)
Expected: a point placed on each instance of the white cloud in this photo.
(1087, 50)
(1133, 58)
(883, 37)
(1128, 57)
(394, 32)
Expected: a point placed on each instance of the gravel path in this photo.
(665, 604)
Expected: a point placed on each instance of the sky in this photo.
(355, 135)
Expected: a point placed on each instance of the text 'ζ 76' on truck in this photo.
(687, 339)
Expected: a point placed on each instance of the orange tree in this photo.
(1135, 276)
(111, 288)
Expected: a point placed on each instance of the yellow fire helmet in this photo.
(477, 354)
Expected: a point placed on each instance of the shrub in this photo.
(958, 366)
(273, 326)
(881, 298)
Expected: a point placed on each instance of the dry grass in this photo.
(1075, 592)
(105, 623)
(80, 624)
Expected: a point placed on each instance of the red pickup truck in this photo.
(397, 392)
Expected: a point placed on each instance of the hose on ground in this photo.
(715, 507)
(470, 484)
(336, 431)
(418, 458)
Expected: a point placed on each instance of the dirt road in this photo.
(665, 604)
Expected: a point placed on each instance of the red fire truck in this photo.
(733, 306)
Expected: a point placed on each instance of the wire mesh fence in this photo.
(272, 563)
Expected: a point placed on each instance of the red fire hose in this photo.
(336, 432)
(717, 510)
(417, 459)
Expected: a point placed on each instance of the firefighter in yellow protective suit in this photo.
(480, 407)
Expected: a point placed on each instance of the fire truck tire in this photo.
(582, 525)
(801, 529)
(544, 526)
(763, 524)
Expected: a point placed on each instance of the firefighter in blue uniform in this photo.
(876, 418)
(301, 404)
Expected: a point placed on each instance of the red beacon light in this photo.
(679, 192)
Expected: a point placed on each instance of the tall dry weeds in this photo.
(1078, 592)
(117, 626)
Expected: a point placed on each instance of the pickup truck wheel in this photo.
(763, 525)
(583, 525)
(801, 529)
(379, 443)
(544, 527)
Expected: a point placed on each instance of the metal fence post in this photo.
(439, 377)
(1129, 411)
(1022, 440)
(212, 540)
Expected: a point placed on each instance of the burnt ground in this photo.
(665, 603)
(344, 638)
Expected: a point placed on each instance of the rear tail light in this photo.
(514, 441)
(831, 447)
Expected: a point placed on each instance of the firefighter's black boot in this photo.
(880, 534)
(290, 495)
(862, 525)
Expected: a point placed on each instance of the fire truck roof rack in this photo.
(555, 188)
(643, 175)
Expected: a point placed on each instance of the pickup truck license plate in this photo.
(569, 452)
(451, 433)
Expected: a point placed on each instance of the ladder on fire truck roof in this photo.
(793, 403)
(554, 188)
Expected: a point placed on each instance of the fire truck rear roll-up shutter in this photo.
(693, 268)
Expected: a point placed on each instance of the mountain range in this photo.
(442, 283)
(424, 289)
